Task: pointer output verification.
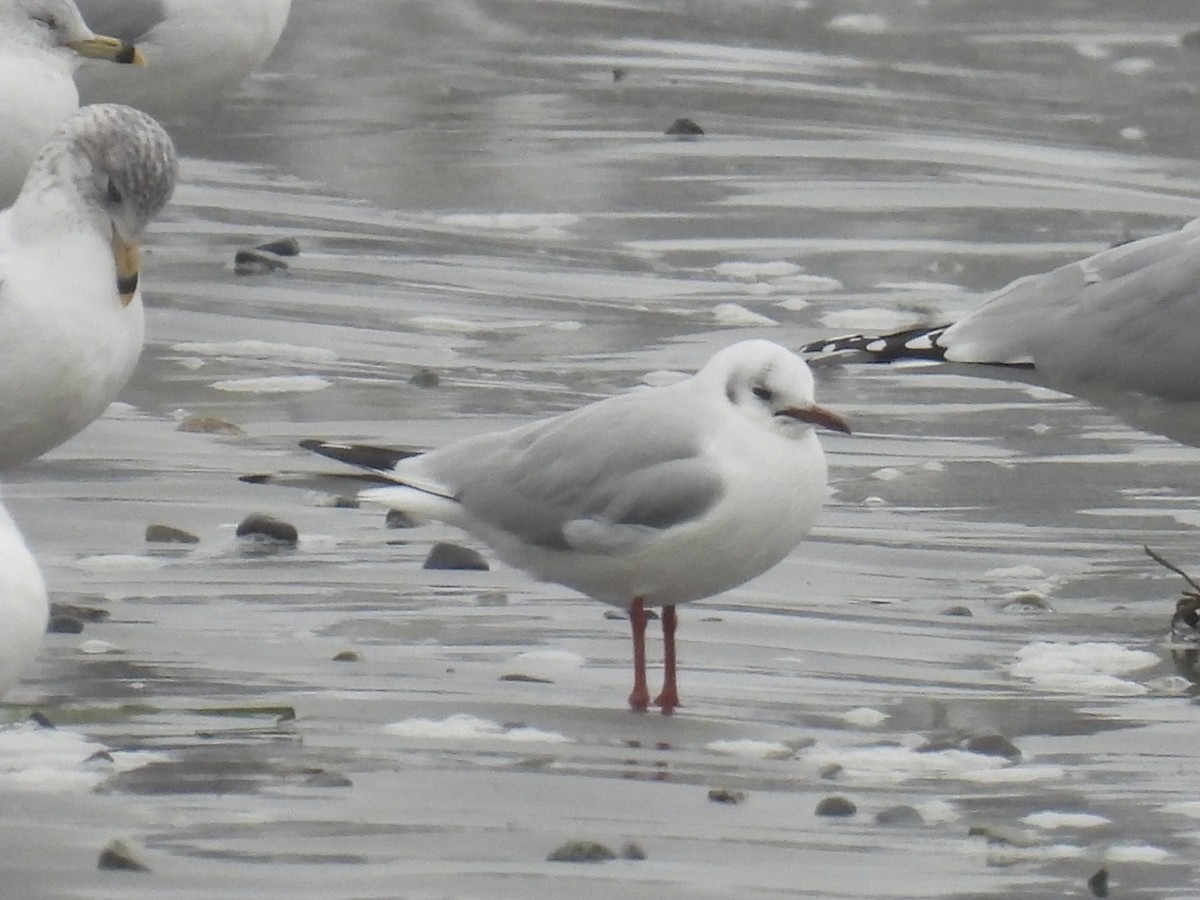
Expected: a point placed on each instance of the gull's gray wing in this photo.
(598, 478)
(128, 20)
(1126, 318)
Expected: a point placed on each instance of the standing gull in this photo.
(42, 42)
(24, 609)
(652, 498)
(1119, 329)
(71, 320)
(198, 50)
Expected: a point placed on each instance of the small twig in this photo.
(1158, 558)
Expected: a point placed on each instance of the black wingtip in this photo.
(365, 456)
(912, 343)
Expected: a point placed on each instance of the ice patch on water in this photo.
(751, 749)
(1087, 668)
(859, 23)
(1189, 808)
(273, 384)
(663, 377)
(1135, 853)
(737, 316)
(1016, 775)
(119, 562)
(546, 224)
(464, 727)
(868, 319)
(57, 759)
(892, 764)
(1050, 819)
(864, 717)
(257, 350)
(753, 271)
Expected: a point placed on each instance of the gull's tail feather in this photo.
(912, 343)
(364, 456)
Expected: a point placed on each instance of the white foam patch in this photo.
(813, 284)
(1087, 668)
(257, 350)
(663, 377)
(464, 727)
(1136, 853)
(864, 717)
(867, 320)
(735, 315)
(859, 23)
(892, 764)
(273, 384)
(538, 223)
(1016, 775)
(119, 562)
(57, 759)
(752, 749)
(1189, 808)
(1015, 573)
(1050, 819)
(753, 271)
(547, 663)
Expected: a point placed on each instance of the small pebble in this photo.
(169, 534)
(630, 850)
(992, 745)
(64, 625)
(964, 611)
(287, 246)
(613, 614)
(1099, 883)
(40, 720)
(264, 528)
(100, 756)
(491, 598)
(831, 771)
(346, 656)
(425, 378)
(725, 795)
(257, 262)
(619, 72)
(836, 805)
(1026, 601)
(444, 555)
(901, 815)
(684, 127)
(1003, 834)
(344, 502)
(208, 425)
(530, 679)
(322, 778)
(398, 518)
(82, 613)
(118, 857)
(582, 851)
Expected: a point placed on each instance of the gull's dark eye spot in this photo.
(114, 193)
(762, 393)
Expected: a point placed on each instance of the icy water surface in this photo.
(484, 189)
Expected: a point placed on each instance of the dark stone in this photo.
(902, 815)
(208, 425)
(64, 625)
(346, 656)
(613, 614)
(398, 518)
(287, 246)
(582, 851)
(444, 555)
(82, 613)
(100, 756)
(169, 534)
(425, 378)
(964, 611)
(118, 857)
(491, 598)
(267, 529)
(619, 73)
(836, 805)
(525, 679)
(325, 779)
(992, 745)
(831, 771)
(725, 795)
(1099, 883)
(346, 503)
(1190, 41)
(257, 262)
(40, 720)
(684, 127)
(630, 850)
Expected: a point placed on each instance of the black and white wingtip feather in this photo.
(912, 343)
(364, 456)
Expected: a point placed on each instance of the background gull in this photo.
(1118, 329)
(41, 44)
(652, 498)
(198, 50)
(24, 608)
(71, 320)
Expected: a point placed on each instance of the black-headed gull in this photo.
(652, 498)
(71, 320)
(1115, 328)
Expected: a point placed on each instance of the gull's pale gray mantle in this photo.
(71, 319)
(1118, 328)
(651, 498)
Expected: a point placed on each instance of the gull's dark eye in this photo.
(114, 193)
(762, 393)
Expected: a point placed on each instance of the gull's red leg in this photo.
(668, 700)
(639, 698)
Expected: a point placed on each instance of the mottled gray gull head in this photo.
(57, 25)
(112, 167)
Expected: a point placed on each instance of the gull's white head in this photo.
(769, 384)
(118, 167)
(58, 26)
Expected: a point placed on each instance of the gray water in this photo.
(485, 189)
